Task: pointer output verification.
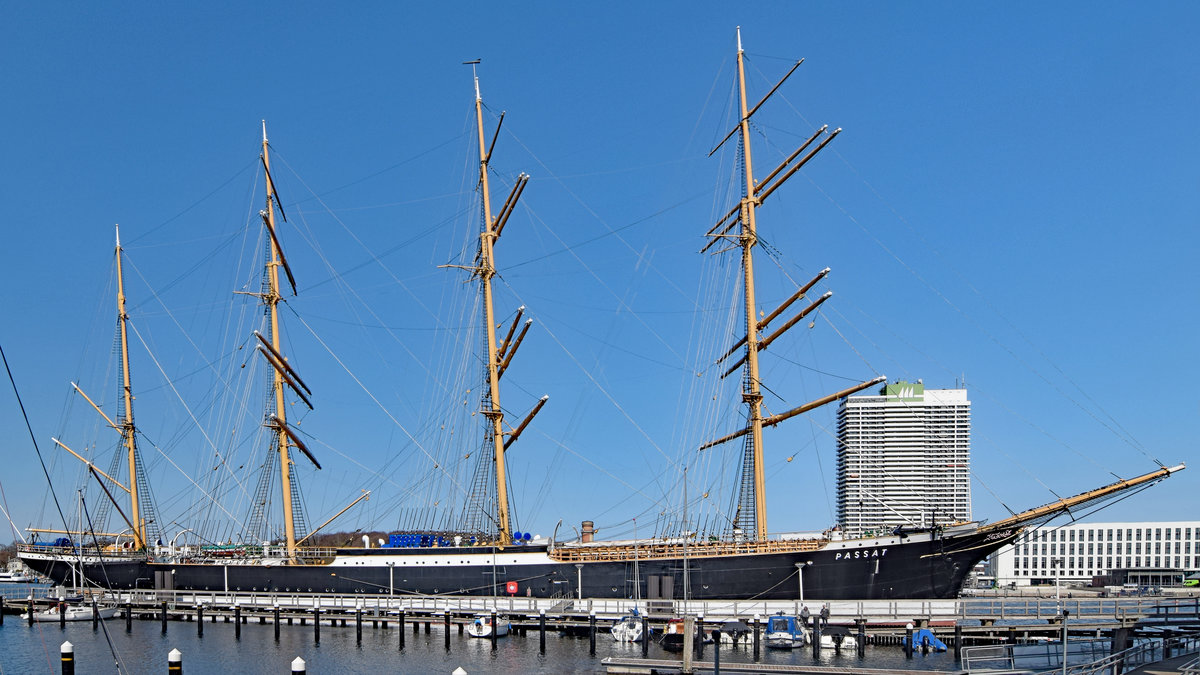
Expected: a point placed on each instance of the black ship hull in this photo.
(922, 565)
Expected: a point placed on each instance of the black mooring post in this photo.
(908, 641)
(542, 631)
(446, 625)
(592, 634)
(31, 608)
(128, 615)
(816, 636)
(957, 642)
(200, 620)
(645, 637)
(400, 625)
(2, 610)
(358, 625)
(62, 617)
(95, 614)
(862, 636)
(494, 630)
(276, 611)
(237, 622)
(316, 625)
(716, 636)
(67, 653)
(162, 615)
(757, 636)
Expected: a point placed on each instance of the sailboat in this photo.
(930, 562)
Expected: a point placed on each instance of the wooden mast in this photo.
(127, 429)
(487, 270)
(272, 298)
(751, 391)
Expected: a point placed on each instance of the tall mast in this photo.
(751, 392)
(272, 298)
(486, 270)
(128, 432)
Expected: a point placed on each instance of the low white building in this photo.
(1147, 553)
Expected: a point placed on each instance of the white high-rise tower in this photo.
(903, 458)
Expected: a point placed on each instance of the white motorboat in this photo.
(784, 632)
(838, 641)
(16, 578)
(65, 612)
(628, 628)
(482, 627)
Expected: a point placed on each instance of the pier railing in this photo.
(985, 611)
(1083, 657)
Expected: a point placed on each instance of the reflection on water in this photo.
(34, 649)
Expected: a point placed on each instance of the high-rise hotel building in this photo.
(903, 458)
(1147, 553)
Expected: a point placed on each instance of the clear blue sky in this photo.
(1013, 200)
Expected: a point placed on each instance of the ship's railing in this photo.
(86, 551)
(699, 549)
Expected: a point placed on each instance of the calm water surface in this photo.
(35, 649)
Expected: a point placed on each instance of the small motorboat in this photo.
(785, 632)
(733, 632)
(64, 612)
(672, 636)
(16, 578)
(838, 638)
(482, 627)
(628, 628)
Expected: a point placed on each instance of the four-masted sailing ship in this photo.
(928, 562)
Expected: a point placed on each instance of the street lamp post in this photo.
(800, 577)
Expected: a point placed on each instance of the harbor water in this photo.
(110, 649)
